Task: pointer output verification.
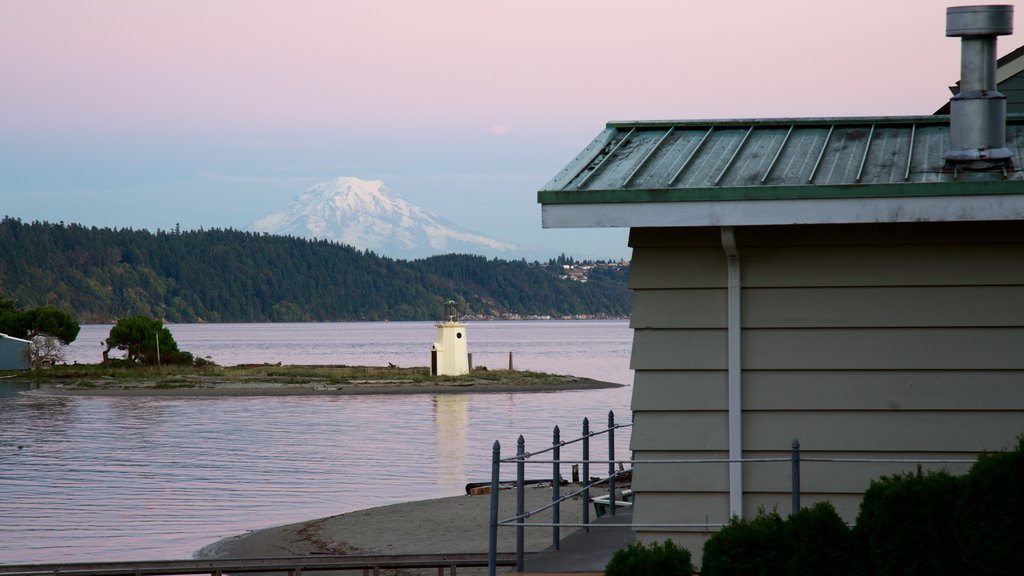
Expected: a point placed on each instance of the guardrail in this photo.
(520, 460)
(522, 457)
(293, 566)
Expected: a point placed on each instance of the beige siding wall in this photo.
(862, 341)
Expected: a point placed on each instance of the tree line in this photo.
(223, 275)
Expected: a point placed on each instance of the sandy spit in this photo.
(457, 524)
(221, 389)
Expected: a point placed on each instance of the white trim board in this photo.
(783, 212)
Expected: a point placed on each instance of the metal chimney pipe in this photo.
(977, 114)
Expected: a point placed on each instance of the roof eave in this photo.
(791, 211)
(765, 193)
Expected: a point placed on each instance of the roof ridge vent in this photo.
(977, 114)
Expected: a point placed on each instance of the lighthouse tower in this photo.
(449, 355)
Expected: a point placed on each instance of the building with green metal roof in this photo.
(854, 283)
(770, 172)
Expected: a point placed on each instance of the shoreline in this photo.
(291, 380)
(454, 524)
(218, 391)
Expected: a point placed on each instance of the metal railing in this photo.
(520, 460)
(293, 566)
(522, 457)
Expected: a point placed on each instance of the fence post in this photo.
(492, 536)
(520, 500)
(611, 463)
(556, 481)
(586, 474)
(795, 457)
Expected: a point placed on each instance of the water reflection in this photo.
(451, 415)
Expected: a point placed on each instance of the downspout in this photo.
(735, 367)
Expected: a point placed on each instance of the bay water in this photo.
(134, 478)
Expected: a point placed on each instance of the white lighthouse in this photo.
(449, 356)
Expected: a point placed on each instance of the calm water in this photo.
(150, 478)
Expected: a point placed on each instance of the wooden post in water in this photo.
(510, 369)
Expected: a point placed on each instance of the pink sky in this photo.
(533, 77)
(255, 65)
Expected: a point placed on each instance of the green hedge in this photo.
(990, 514)
(906, 525)
(753, 547)
(658, 559)
(909, 524)
(821, 543)
(815, 540)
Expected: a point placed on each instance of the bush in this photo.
(906, 525)
(139, 336)
(664, 559)
(748, 547)
(820, 543)
(990, 514)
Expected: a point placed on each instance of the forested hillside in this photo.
(101, 274)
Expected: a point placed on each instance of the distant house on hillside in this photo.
(856, 283)
(13, 353)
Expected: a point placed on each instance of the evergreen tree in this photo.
(224, 275)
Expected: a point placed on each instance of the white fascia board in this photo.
(1010, 69)
(782, 212)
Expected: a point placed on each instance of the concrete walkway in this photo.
(582, 552)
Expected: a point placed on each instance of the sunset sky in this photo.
(216, 113)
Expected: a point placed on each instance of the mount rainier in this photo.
(366, 214)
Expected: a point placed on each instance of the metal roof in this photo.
(777, 159)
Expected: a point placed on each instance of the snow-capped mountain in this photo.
(366, 214)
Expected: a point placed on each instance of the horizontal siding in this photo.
(864, 307)
(924, 265)
(775, 477)
(677, 268)
(678, 349)
(938, 306)
(990, 390)
(681, 477)
(672, 430)
(680, 390)
(837, 477)
(880, 349)
(675, 508)
(889, 431)
(833, 349)
(693, 308)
